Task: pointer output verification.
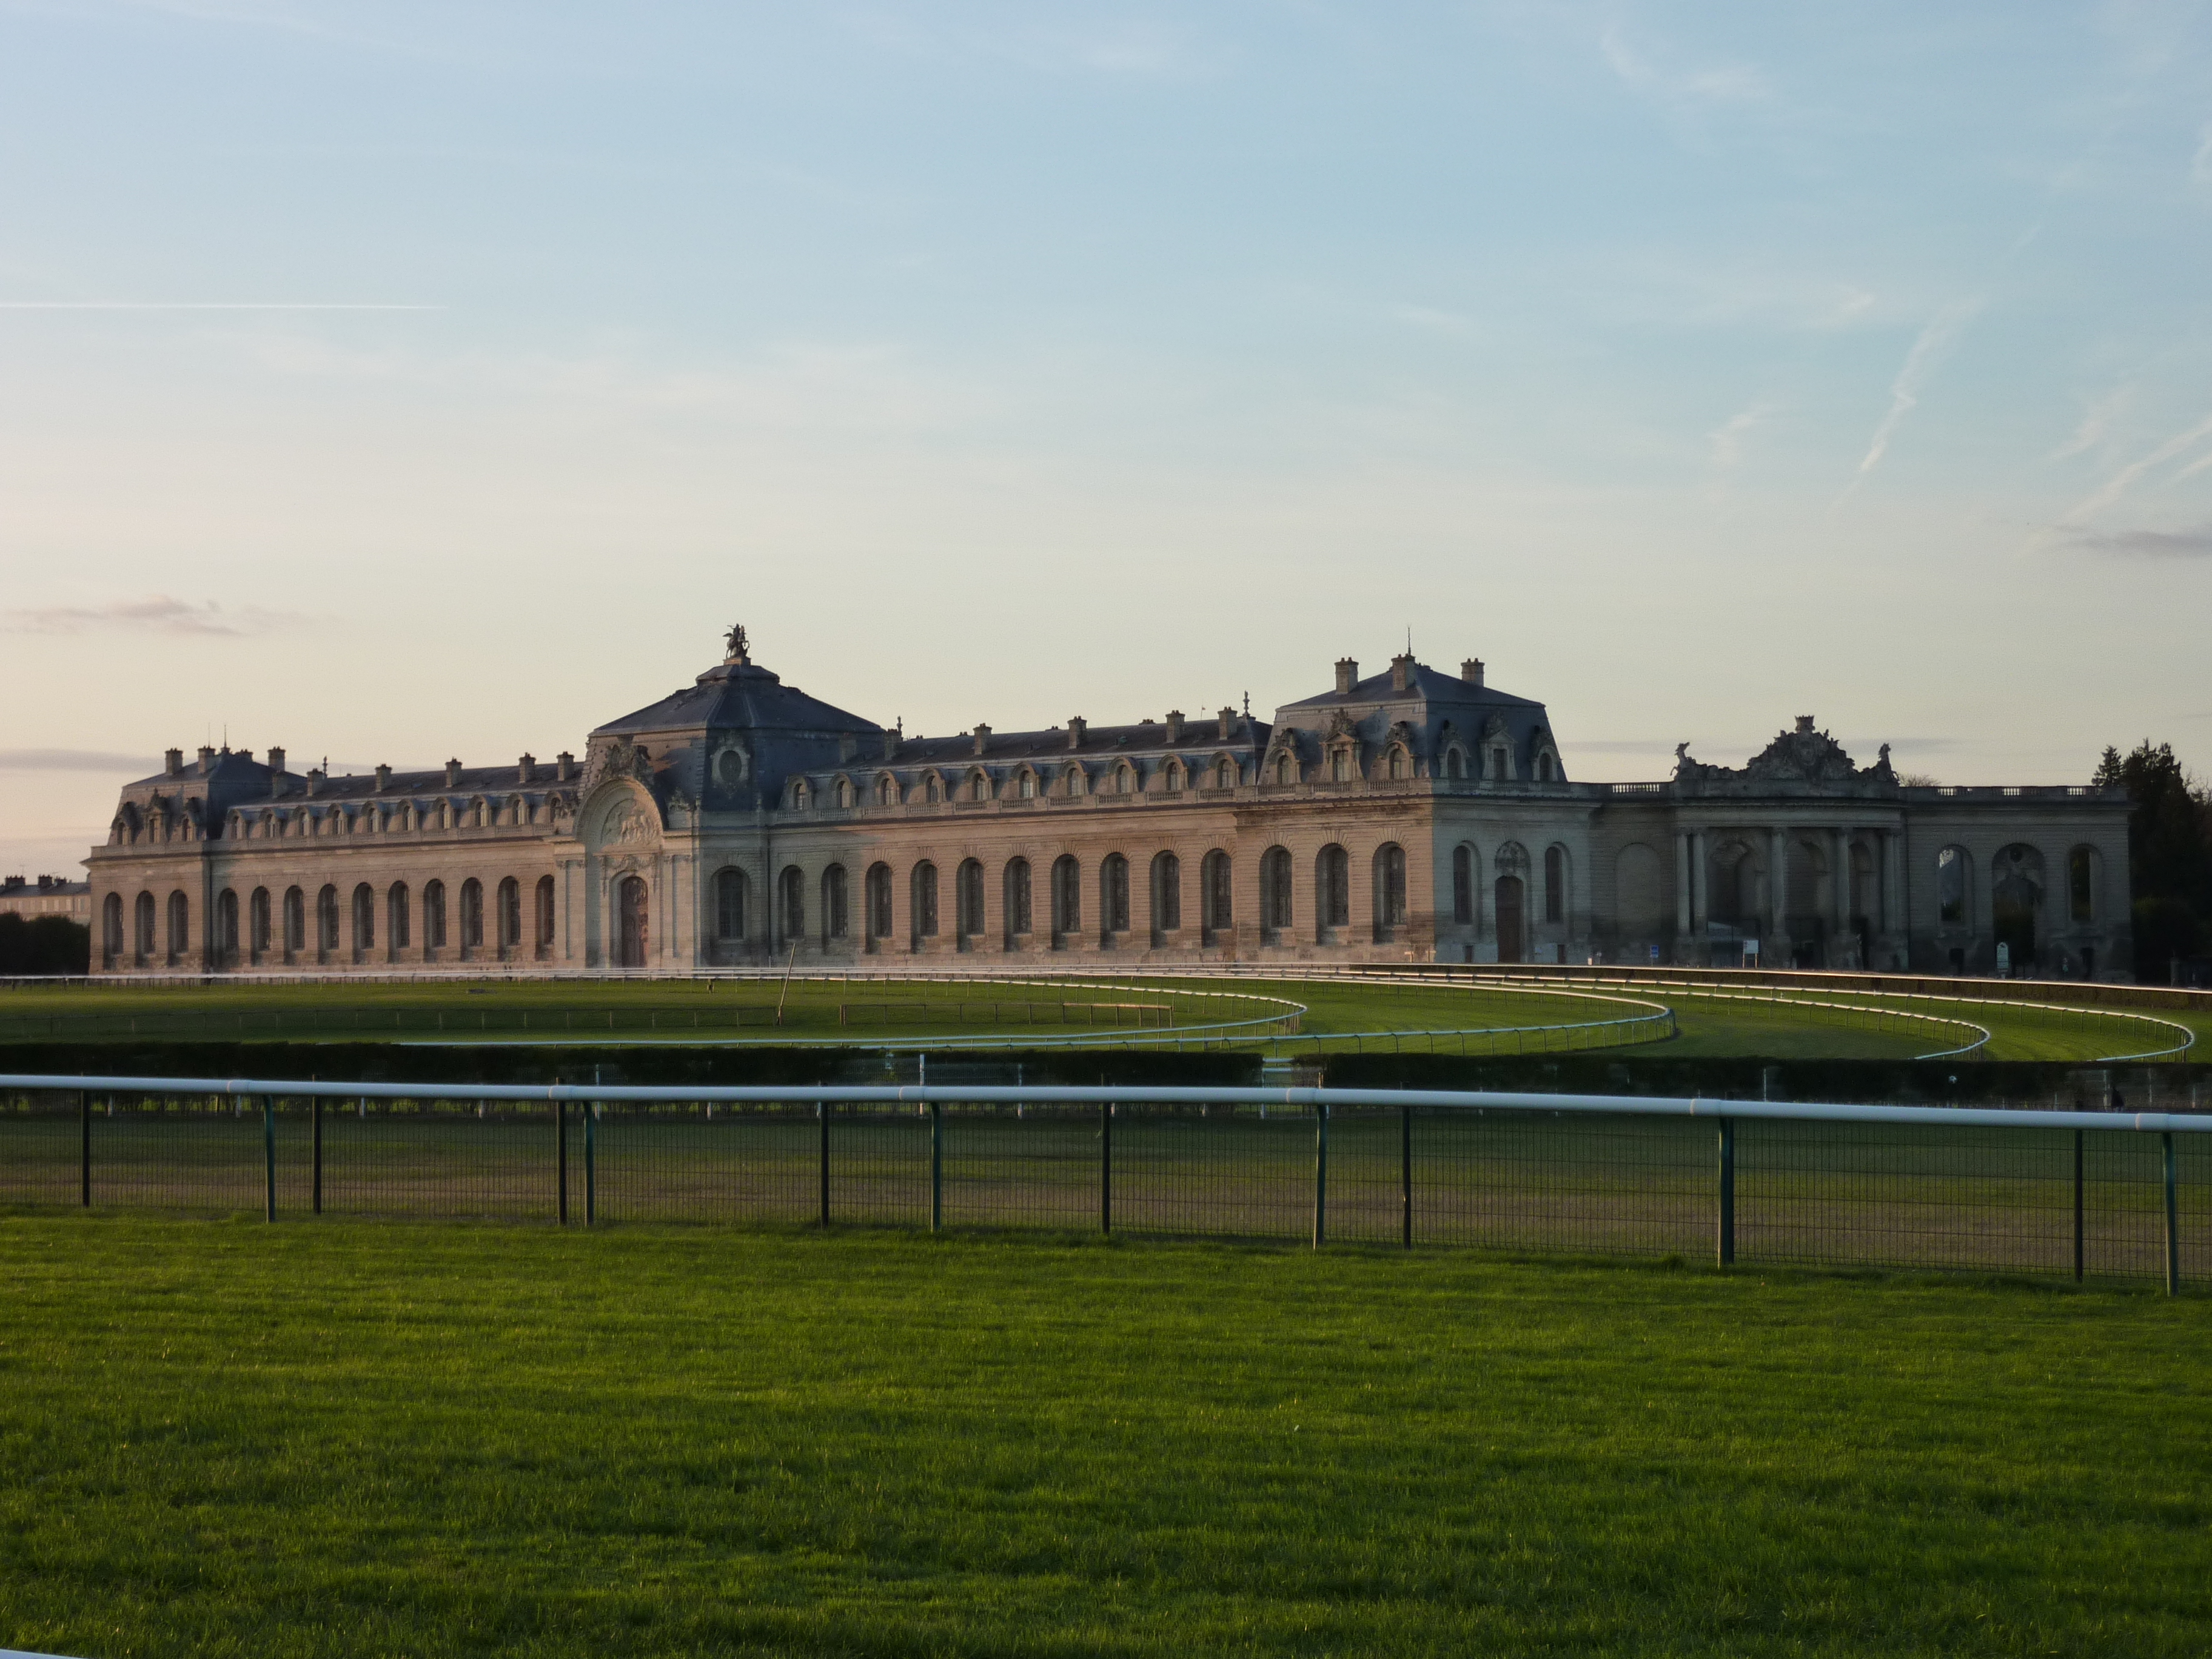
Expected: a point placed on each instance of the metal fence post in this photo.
(84, 1131)
(2173, 1218)
(936, 1167)
(560, 1160)
(1405, 1169)
(2077, 1207)
(1106, 1167)
(1320, 1176)
(315, 1151)
(1725, 1239)
(823, 1110)
(591, 1162)
(269, 1156)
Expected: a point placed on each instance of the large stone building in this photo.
(1411, 814)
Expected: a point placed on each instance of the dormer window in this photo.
(1175, 777)
(1398, 768)
(1284, 767)
(844, 792)
(1125, 781)
(799, 794)
(979, 787)
(931, 791)
(886, 790)
(1544, 769)
(1028, 785)
(1339, 766)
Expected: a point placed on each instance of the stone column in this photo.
(1701, 855)
(1893, 882)
(1682, 884)
(1777, 888)
(1839, 871)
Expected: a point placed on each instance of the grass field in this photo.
(352, 1439)
(1345, 1013)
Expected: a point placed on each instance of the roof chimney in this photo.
(982, 736)
(1174, 726)
(1075, 730)
(452, 774)
(1228, 720)
(564, 766)
(1401, 672)
(314, 780)
(207, 759)
(525, 769)
(383, 779)
(173, 763)
(1471, 672)
(1347, 674)
(275, 758)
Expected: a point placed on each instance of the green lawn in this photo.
(225, 1439)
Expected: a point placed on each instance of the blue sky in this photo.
(403, 381)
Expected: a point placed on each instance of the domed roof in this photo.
(737, 695)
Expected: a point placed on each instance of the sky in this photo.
(403, 382)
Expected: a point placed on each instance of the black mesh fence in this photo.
(2107, 1203)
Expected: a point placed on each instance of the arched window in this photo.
(396, 928)
(471, 914)
(1028, 787)
(887, 790)
(546, 916)
(633, 923)
(1018, 899)
(800, 794)
(1463, 886)
(1544, 767)
(979, 786)
(2081, 885)
(835, 923)
(932, 790)
(510, 913)
(1512, 931)
(844, 792)
(1224, 775)
(144, 945)
(111, 927)
(1340, 765)
(1167, 892)
(226, 928)
(1275, 889)
(1454, 763)
(793, 899)
(1114, 894)
(1285, 769)
(1077, 783)
(1399, 769)
(1333, 887)
(434, 916)
(1175, 777)
(970, 898)
(729, 904)
(925, 900)
(326, 920)
(880, 900)
(1125, 781)
(1066, 896)
(364, 917)
(1555, 884)
(1214, 879)
(257, 922)
(296, 921)
(181, 926)
(1389, 890)
(1951, 888)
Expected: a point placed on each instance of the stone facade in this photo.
(1411, 814)
(48, 896)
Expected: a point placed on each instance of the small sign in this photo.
(2005, 960)
(1654, 954)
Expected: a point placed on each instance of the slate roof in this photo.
(1427, 683)
(1049, 748)
(739, 696)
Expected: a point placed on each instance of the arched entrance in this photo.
(2016, 896)
(633, 934)
(1512, 932)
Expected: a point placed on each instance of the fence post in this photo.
(268, 1157)
(936, 1167)
(1106, 1166)
(591, 1162)
(1406, 1169)
(1725, 1241)
(822, 1110)
(2077, 1207)
(2172, 1220)
(560, 1160)
(1320, 1176)
(315, 1153)
(84, 1132)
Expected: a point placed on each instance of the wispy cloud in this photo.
(76, 760)
(2096, 420)
(1726, 440)
(206, 305)
(2195, 543)
(156, 614)
(2200, 168)
(1438, 322)
(2132, 474)
(1928, 350)
(1720, 84)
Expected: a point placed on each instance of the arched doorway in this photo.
(2016, 896)
(632, 935)
(1512, 933)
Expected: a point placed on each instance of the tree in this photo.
(43, 944)
(2169, 854)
